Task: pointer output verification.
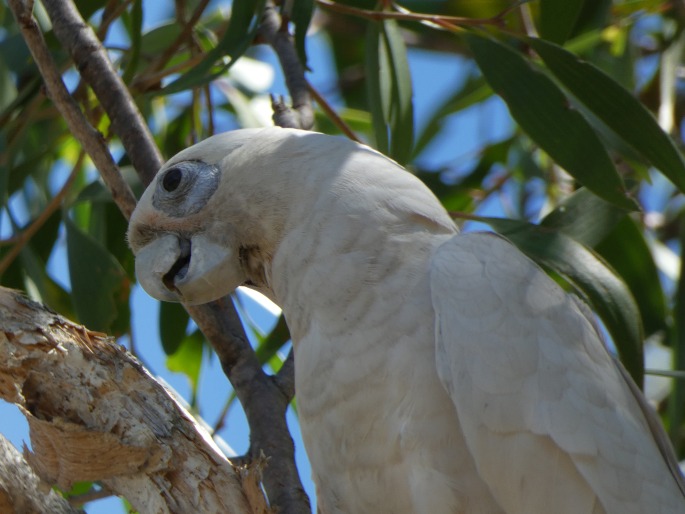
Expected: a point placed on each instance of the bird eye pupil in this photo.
(172, 179)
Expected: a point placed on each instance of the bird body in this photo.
(436, 372)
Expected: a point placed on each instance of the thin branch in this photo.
(95, 67)
(145, 82)
(449, 22)
(264, 400)
(91, 139)
(185, 34)
(330, 112)
(29, 232)
(275, 33)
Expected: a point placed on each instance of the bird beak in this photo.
(174, 269)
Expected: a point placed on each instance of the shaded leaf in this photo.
(241, 30)
(390, 90)
(542, 110)
(590, 274)
(616, 107)
(585, 217)
(269, 345)
(301, 16)
(99, 285)
(187, 359)
(135, 27)
(558, 18)
(626, 250)
(677, 399)
(377, 83)
(173, 322)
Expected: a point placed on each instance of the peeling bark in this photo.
(96, 414)
(22, 491)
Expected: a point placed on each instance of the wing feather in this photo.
(549, 418)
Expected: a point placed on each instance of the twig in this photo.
(276, 35)
(172, 49)
(91, 139)
(448, 22)
(29, 232)
(95, 67)
(330, 112)
(145, 82)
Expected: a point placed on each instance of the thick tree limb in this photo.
(96, 414)
(259, 395)
(21, 491)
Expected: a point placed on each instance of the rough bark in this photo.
(22, 491)
(95, 414)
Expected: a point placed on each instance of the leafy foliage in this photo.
(590, 177)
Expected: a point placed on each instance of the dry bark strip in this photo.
(21, 491)
(96, 414)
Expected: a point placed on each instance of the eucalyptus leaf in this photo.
(99, 285)
(616, 107)
(173, 322)
(558, 18)
(241, 30)
(187, 359)
(542, 110)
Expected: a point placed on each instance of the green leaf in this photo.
(616, 107)
(585, 217)
(173, 322)
(135, 33)
(626, 250)
(589, 274)
(677, 397)
(301, 16)
(558, 18)
(241, 30)
(377, 82)
(188, 360)
(402, 109)
(543, 111)
(99, 285)
(390, 90)
(269, 345)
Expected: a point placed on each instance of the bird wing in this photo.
(549, 418)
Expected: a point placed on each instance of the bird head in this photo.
(190, 232)
(216, 214)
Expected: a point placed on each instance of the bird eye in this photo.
(172, 179)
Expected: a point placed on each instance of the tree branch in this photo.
(96, 414)
(92, 141)
(275, 33)
(97, 70)
(264, 400)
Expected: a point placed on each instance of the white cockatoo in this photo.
(436, 372)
